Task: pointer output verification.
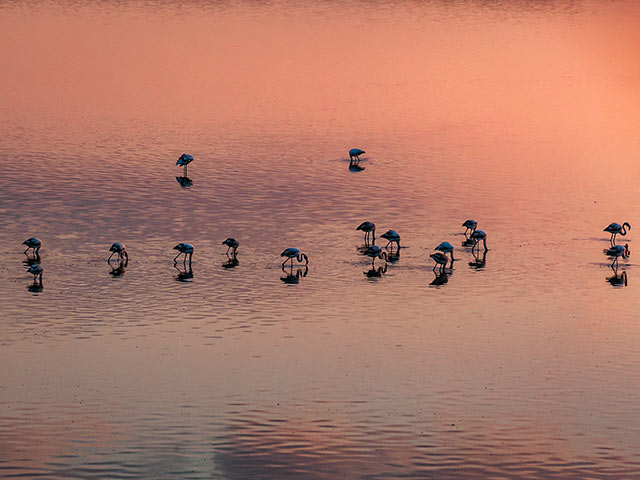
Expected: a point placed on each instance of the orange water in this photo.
(522, 115)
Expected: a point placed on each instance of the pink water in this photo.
(522, 115)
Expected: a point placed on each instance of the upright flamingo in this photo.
(292, 253)
(615, 229)
(369, 229)
(33, 243)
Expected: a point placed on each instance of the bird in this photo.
(615, 229)
(441, 260)
(184, 160)
(183, 249)
(369, 229)
(478, 235)
(34, 243)
(355, 153)
(231, 243)
(36, 269)
(446, 247)
(292, 253)
(391, 236)
(618, 251)
(120, 249)
(374, 251)
(470, 225)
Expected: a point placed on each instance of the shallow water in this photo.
(522, 115)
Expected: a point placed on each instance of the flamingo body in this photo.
(231, 243)
(120, 249)
(478, 235)
(355, 152)
(470, 225)
(440, 259)
(293, 253)
(392, 237)
(184, 249)
(34, 243)
(615, 229)
(369, 229)
(184, 160)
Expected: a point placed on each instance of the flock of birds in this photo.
(443, 253)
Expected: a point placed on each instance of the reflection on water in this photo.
(617, 279)
(291, 277)
(185, 272)
(511, 113)
(185, 182)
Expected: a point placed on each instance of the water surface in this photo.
(522, 115)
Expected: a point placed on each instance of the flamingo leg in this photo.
(176, 257)
(25, 252)
(110, 256)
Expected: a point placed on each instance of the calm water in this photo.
(522, 115)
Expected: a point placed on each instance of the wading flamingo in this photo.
(231, 243)
(369, 229)
(615, 229)
(292, 253)
(184, 160)
(34, 243)
(392, 237)
(184, 249)
(478, 235)
(120, 249)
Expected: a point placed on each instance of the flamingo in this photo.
(441, 260)
(446, 247)
(615, 229)
(470, 225)
(355, 153)
(478, 235)
(34, 243)
(369, 229)
(36, 269)
(618, 251)
(391, 236)
(374, 251)
(184, 249)
(184, 160)
(292, 253)
(120, 249)
(231, 243)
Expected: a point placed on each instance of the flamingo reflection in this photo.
(36, 270)
(376, 272)
(118, 266)
(232, 262)
(478, 261)
(185, 182)
(441, 277)
(617, 280)
(185, 274)
(292, 278)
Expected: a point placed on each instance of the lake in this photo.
(519, 363)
